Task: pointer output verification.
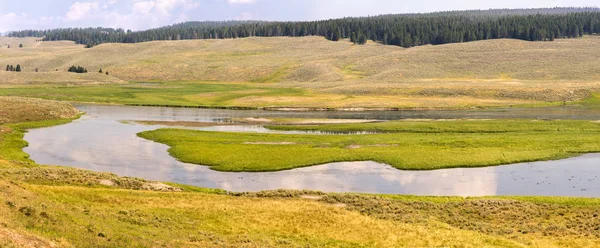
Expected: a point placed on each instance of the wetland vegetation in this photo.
(407, 145)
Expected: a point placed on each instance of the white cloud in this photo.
(80, 10)
(244, 16)
(142, 14)
(241, 1)
(143, 8)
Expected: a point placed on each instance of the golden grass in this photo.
(503, 72)
(18, 109)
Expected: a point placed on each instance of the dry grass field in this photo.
(331, 74)
(17, 109)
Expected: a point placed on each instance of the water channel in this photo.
(100, 141)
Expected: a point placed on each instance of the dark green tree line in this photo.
(405, 30)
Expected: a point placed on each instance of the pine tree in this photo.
(362, 39)
(353, 38)
(337, 35)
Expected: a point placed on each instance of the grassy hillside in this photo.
(329, 74)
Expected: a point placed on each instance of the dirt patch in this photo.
(269, 143)
(375, 145)
(180, 123)
(156, 186)
(312, 197)
(5, 130)
(259, 120)
(105, 182)
(11, 238)
(382, 145)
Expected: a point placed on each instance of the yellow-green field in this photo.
(314, 72)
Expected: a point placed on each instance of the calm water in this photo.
(100, 142)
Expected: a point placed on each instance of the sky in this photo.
(145, 14)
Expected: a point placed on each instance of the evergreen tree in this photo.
(362, 39)
(77, 69)
(18, 69)
(353, 38)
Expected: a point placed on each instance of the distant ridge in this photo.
(404, 30)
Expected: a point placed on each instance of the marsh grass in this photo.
(404, 145)
(452, 126)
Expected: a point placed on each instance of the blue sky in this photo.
(144, 14)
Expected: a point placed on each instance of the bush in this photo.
(77, 69)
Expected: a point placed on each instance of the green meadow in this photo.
(171, 94)
(407, 145)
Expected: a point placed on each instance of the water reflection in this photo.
(99, 142)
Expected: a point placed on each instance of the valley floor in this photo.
(45, 206)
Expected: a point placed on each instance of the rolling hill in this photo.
(482, 73)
